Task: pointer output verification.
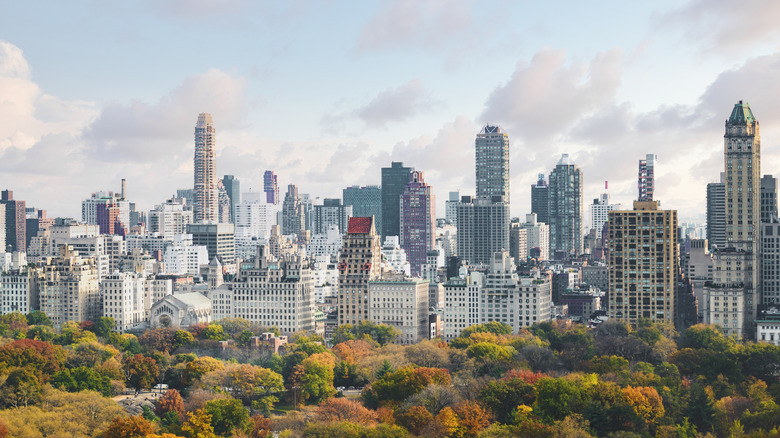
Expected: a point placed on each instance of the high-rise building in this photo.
(644, 262)
(293, 214)
(540, 198)
(483, 229)
(365, 201)
(271, 187)
(15, 222)
(716, 213)
(742, 157)
(219, 240)
(254, 218)
(232, 187)
(400, 302)
(768, 198)
(169, 219)
(537, 236)
(70, 290)
(565, 209)
(451, 208)
(223, 204)
(518, 241)
(3, 246)
(111, 208)
(418, 221)
(599, 212)
(123, 295)
(331, 212)
(394, 179)
(646, 178)
(205, 203)
(770, 262)
(360, 262)
(492, 163)
(19, 290)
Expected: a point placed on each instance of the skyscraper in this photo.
(15, 222)
(394, 179)
(483, 229)
(271, 187)
(716, 213)
(599, 212)
(492, 163)
(293, 215)
(360, 262)
(540, 198)
(233, 188)
(366, 202)
(418, 221)
(331, 212)
(643, 261)
(768, 198)
(451, 208)
(646, 179)
(566, 207)
(205, 203)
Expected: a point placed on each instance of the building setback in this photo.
(716, 213)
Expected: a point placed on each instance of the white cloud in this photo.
(395, 104)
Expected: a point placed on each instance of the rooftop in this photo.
(741, 114)
(360, 225)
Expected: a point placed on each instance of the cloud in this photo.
(725, 25)
(395, 104)
(430, 24)
(142, 132)
(546, 95)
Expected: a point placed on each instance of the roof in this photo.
(741, 114)
(194, 299)
(565, 160)
(360, 225)
(490, 129)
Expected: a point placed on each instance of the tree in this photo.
(261, 427)
(171, 401)
(161, 339)
(343, 409)
(41, 333)
(486, 351)
(90, 354)
(384, 369)
(434, 398)
(14, 320)
(198, 425)
(36, 317)
(352, 351)
(407, 381)
(21, 388)
(42, 357)
(415, 419)
(504, 396)
(317, 379)
(141, 372)
(428, 353)
(214, 332)
(129, 427)
(80, 379)
(381, 333)
(227, 415)
(247, 382)
(702, 336)
(72, 333)
(234, 326)
(646, 402)
(472, 419)
(700, 409)
(104, 326)
(557, 399)
(197, 368)
(495, 327)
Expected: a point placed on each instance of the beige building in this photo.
(400, 302)
(123, 295)
(70, 289)
(205, 206)
(643, 259)
(359, 263)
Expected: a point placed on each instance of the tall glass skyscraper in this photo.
(492, 169)
(366, 202)
(205, 197)
(394, 179)
(540, 198)
(566, 207)
(271, 187)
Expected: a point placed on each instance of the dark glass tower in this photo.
(394, 179)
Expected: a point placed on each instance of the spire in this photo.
(741, 114)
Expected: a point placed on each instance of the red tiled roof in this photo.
(359, 225)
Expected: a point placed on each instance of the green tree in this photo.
(80, 379)
(141, 372)
(21, 389)
(495, 327)
(36, 317)
(317, 379)
(557, 398)
(504, 396)
(407, 381)
(227, 415)
(700, 409)
(104, 326)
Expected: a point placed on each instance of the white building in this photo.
(246, 246)
(152, 242)
(534, 301)
(12, 260)
(254, 218)
(123, 296)
(537, 235)
(461, 303)
(19, 290)
(170, 218)
(274, 293)
(180, 311)
(723, 301)
(185, 259)
(89, 207)
(768, 326)
(599, 212)
(400, 302)
(156, 289)
(326, 245)
(395, 256)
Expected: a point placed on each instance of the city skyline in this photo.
(654, 83)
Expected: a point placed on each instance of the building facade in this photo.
(402, 303)
(271, 187)
(716, 213)
(394, 179)
(418, 221)
(483, 229)
(565, 207)
(15, 223)
(360, 262)
(365, 201)
(219, 240)
(331, 212)
(205, 203)
(540, 199)
(70, 288)
(492, 163)
(646, 177)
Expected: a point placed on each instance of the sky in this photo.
(325, 93)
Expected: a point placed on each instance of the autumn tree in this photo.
(42, 357)
(197, 368)
(171, 401)
(247, 382)
(198, 425)
(21, 388)
(646, 402)
(141, 372)
(160, 339)
(415, 419)
(407, 381)
(343, 409)
(472, 419)
(128, 427)
(261, 427)
(317, 379)
(36, 317)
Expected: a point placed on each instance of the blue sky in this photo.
(327, 92)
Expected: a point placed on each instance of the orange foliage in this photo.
(261, 427)
(171, 401)
(471, 419)
(354, 350)
(415, 419)
(384, 414)
(526, 376)
(129, 427)
(344, 409)
(645, 401)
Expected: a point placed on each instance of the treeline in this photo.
(553, 380)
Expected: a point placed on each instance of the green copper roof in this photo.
(741, 114)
